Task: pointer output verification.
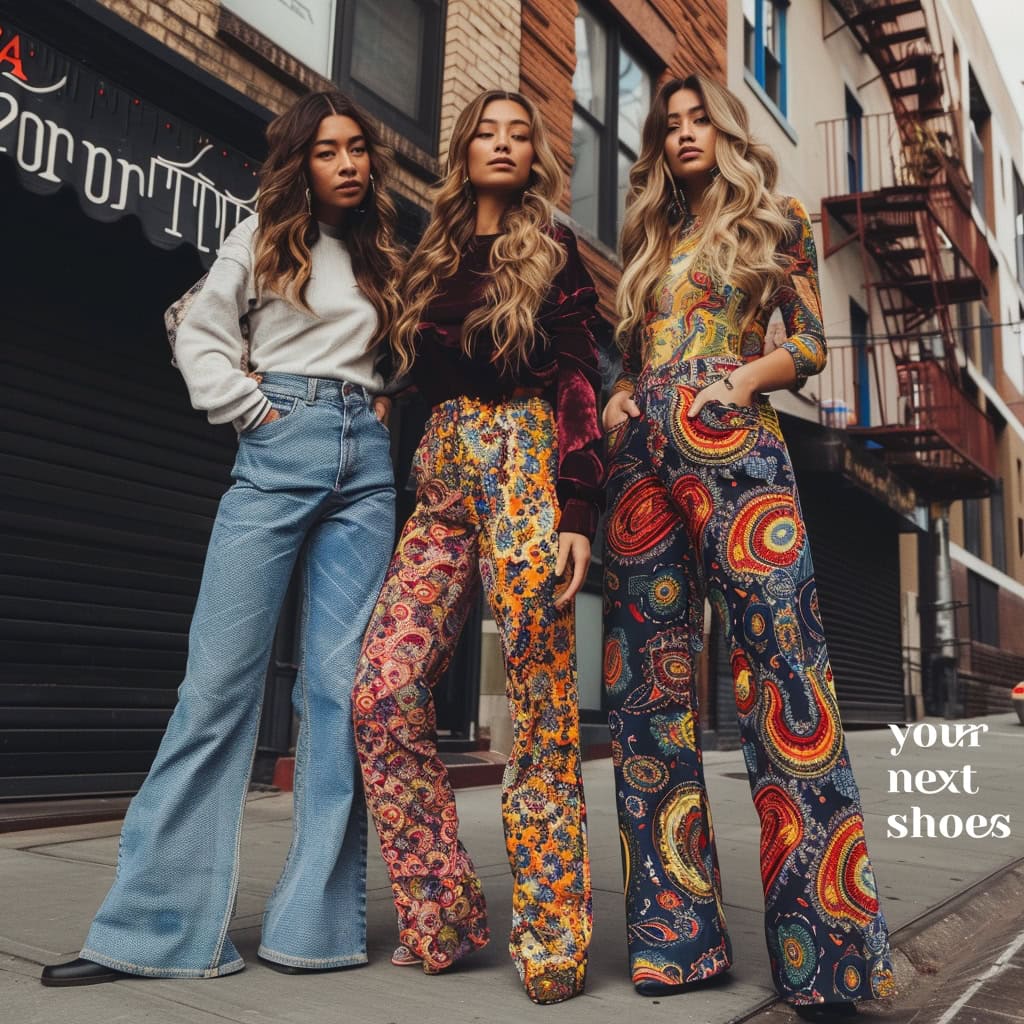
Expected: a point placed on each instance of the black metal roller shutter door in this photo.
(855, 546)
(109, 483)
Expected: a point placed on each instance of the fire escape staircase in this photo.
(897, 186)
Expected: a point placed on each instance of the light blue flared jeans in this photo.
(315, 486)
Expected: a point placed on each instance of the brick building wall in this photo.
(481, 52)
(189, 27)
(489, 44)
(223, 45)
(681, 38)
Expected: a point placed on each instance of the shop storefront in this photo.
(117, 192)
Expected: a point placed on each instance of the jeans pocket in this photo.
(284, 405)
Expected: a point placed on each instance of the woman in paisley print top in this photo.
(703, 504)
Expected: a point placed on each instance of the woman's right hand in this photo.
(273, 414)
(620, 407)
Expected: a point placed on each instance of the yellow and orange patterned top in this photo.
(695, 318)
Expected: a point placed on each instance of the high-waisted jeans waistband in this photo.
(312, 389)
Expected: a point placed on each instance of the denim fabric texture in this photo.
(313, 487)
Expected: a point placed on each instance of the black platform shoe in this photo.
(79, 972)
(825, 1013)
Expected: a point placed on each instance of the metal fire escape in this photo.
(898, 188)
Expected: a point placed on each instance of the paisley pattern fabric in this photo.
(709, 507)
(486, 477)
(693, 318)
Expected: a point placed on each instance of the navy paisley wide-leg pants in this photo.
(709, 507)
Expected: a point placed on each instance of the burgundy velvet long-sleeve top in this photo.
(563, 367)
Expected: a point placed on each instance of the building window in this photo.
(854, 144)
(996, 525)
(980, 130)
(764, 46)
(612, 89)
(388, 54)
(972, 526)
(986, 344)
(861, 364)
(750, 35)
(966, 328)
(1018, 225)
(957, 74)
(983, 598)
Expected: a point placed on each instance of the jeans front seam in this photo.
(233, 888)
(343, 447)
(297, 782)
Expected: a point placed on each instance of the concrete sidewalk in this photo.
(53, 880)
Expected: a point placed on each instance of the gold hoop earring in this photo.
(467, 188)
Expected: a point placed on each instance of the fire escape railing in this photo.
(896, 188)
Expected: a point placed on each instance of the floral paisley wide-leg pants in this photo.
(486, 497)
(709, 507)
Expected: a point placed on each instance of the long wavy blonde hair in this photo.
(524, 259)
(742, 222)
(282, 261)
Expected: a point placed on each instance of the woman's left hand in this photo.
(382, 408)
(719, 392)
(574, 553)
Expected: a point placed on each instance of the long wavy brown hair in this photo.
(287, 231)
(742, 224)
(523, 261)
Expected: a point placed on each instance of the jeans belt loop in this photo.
(311, 383)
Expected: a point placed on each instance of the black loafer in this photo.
(79, 972)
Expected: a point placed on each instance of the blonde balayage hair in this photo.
(742, 223)
(282, 261)
(524, 259)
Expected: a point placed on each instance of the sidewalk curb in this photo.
(919, 946)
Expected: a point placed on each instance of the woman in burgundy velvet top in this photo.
(562, 367)
(496, 334)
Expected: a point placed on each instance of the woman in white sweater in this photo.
(314, 275)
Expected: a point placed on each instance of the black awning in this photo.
(63, 124)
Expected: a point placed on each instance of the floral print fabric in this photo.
(486, 477)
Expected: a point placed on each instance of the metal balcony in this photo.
(892, 195)
(912, 414)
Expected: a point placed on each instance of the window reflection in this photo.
(613, 95)
(387, 51)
